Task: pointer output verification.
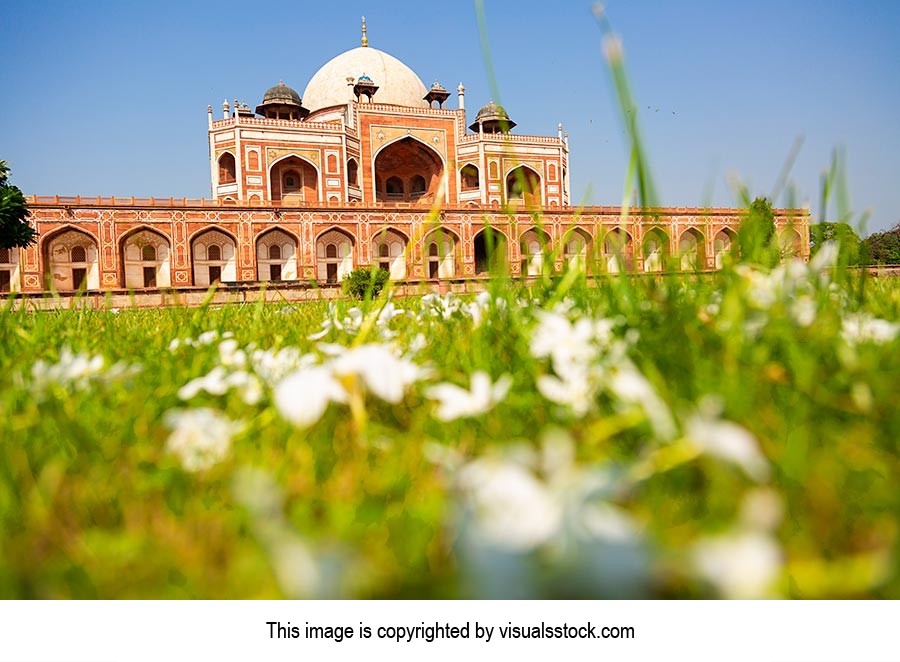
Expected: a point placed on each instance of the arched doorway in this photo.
(490, 251)
(294, 179)
(655, 242)
(576, 247)
(9, 270)
(618, 250)
(276, 256)
(691, 250)
(440, 254)
(534, 244)
(523, 186)
(389, 251)
(409, 171)
(723, 243)
(790, 242)
(145, 255)
(334, 256)
(72, 261)
(214, 258)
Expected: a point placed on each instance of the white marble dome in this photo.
(397, 84)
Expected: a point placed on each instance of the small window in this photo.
(332, 163)
(384, 251)
(253, 160)
(291, 182)
(331, 250)
(469, 177)
(274, 252)
(214, 253)
(433, 250)
(417, 185)
(79, 254)
(148, 254)
(394, 187)
(227, 169)
(5, 257)
(492, 169)
(352, 173)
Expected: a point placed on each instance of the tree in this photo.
(15, 230)
(884, 247)
(756, 233)
(365, 282)
(843, 234)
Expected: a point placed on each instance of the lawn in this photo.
(724, 435)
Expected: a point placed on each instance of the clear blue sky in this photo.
(109, 98)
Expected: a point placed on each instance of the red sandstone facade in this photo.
(368, 168)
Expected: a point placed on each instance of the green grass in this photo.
(373, 499)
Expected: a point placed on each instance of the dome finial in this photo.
(365, 39)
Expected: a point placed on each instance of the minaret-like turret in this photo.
(226, 108)
(461, 91)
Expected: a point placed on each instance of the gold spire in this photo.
(365, 39)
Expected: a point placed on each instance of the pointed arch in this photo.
(523, 185)
(577, 247)
(469, 177)
(441, 250)
(723, 244)
(413, 161)
(535, 246)
(213, 256)
(145, 255)
(692, 250)
(294, 177)
(655, 249)
(334, 254)
(489, 246)
(227, 168)
(71, 259)
(276, 255)
(389, 251)
(618, 250)
(791, 242)
(9, 270)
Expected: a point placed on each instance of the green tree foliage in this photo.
(365, 282)
(884, 247)
(15, 230)
(755, 240)
(843, 234)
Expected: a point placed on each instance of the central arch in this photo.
(146, 259)
(534, 244)
(72, 260)
(490, 251)
(293, 179)
(523, 186)
(389, 251)
(276, 256)
(407, 170)
(334, 255)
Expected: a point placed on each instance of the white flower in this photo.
(741, 565)
(803, 310)
(727, 441)
(570, 345)
(200, 437)
(860, 327)
(384, 373)
(274, 365)
(303, 396)
(826, 257)
(231, 355)
(455, 402)
(76, 371)
(512, 508)
(213, 383)
(630, 386)
(576, 390)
